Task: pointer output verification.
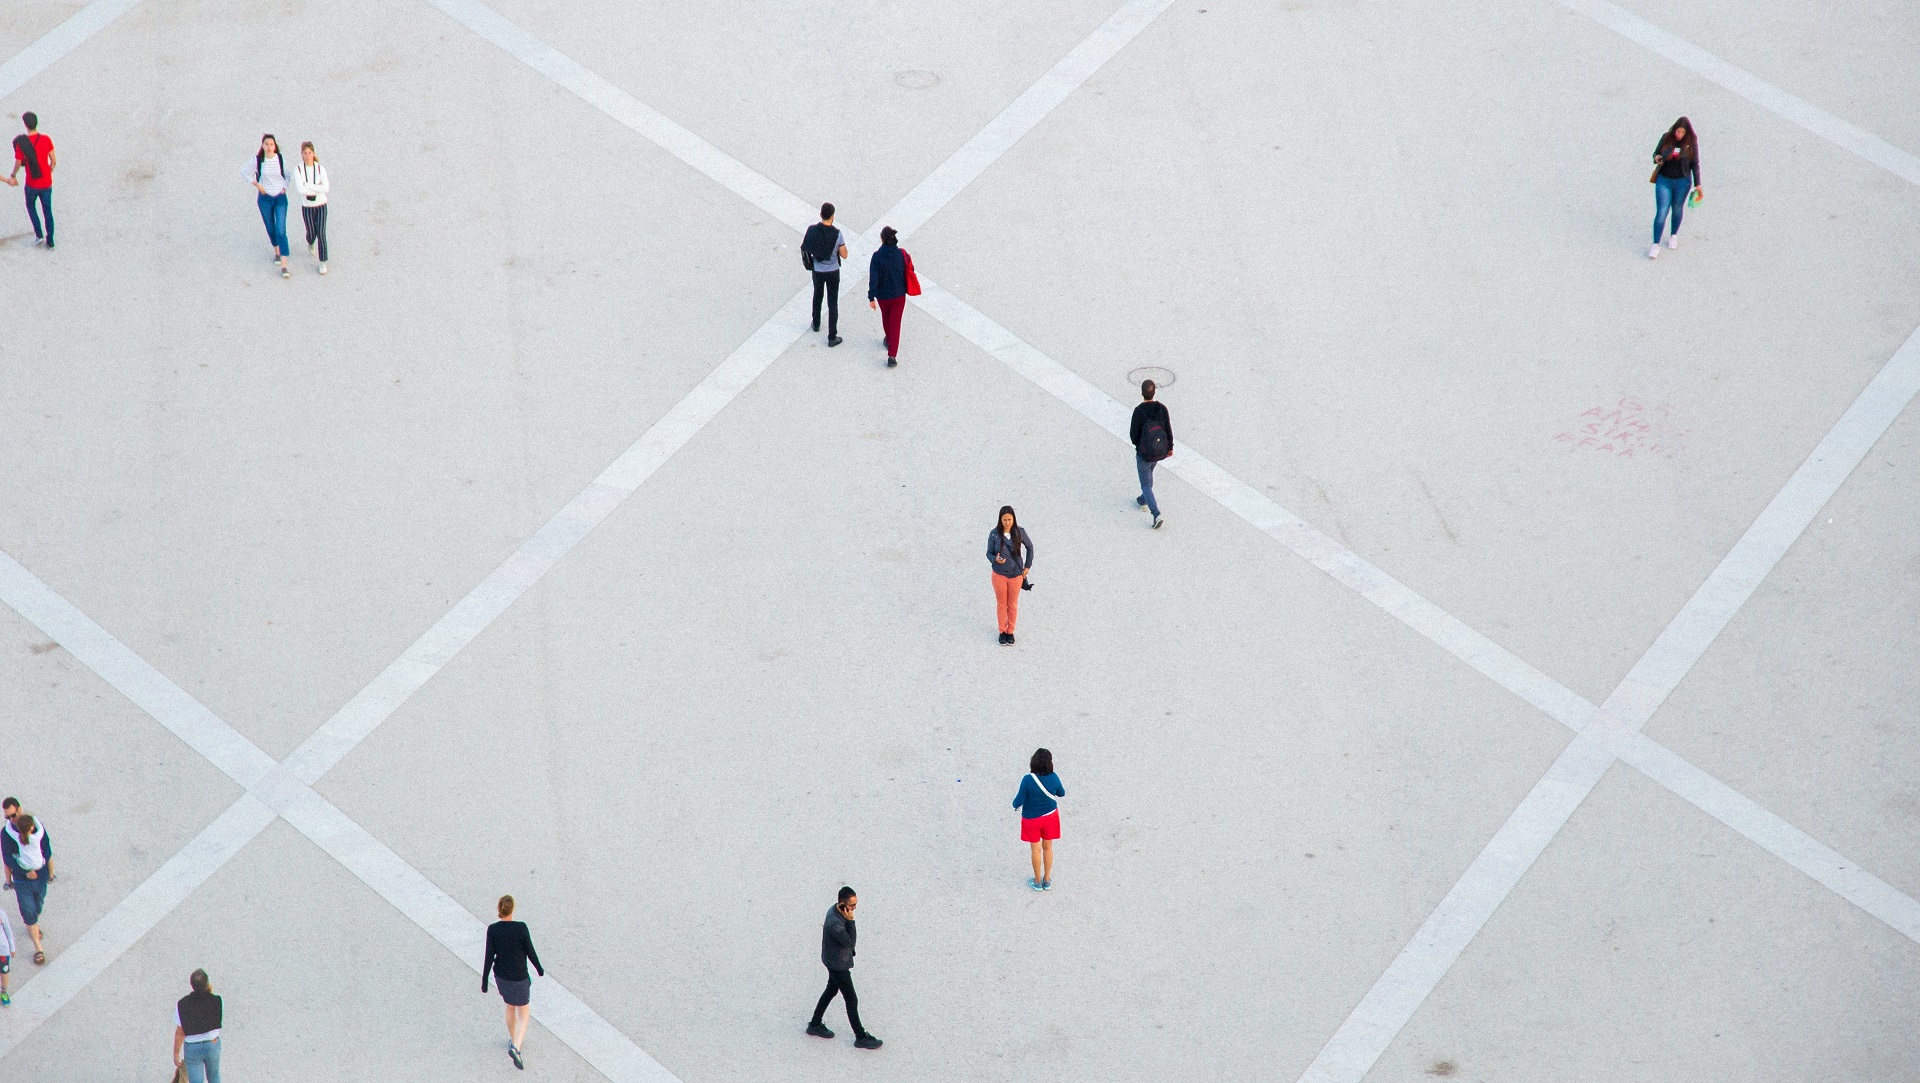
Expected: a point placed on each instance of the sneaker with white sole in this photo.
(1673, 240)
(1157, 521)
(323, 268)
(1654, 252)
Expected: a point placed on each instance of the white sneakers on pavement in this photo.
(1654, 252)
(1673, 240)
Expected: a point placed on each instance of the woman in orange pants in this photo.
(1011, 553)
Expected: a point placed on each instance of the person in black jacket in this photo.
(1676, 171)
(887, 288)
(824, 246)
(509, 949)
(1152, 436)
(196, 1030)
(837, 935)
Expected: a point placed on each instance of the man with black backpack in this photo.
(821, 252)
(1152, 436)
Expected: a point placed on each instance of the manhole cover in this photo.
(916, 79)
(1160, 377)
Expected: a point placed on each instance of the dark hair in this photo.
(11, 802)
(1007, 509)
(198, 979)
(505, 907)
(31, 120)
(1041, 763)
(1690, 146)
(23, 146)
(24, 827)
(826, 211)
(1147, 389)
(888, 236)
(260, 156)
(847, 893)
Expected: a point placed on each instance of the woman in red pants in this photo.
(887, 288)
(1010, 552)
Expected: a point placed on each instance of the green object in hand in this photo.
(1693, 198)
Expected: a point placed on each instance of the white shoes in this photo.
(323, 268)
(1673, 240)
(1654, 252)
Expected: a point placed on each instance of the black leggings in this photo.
(827, 282)
(840, 981)
(316, 220)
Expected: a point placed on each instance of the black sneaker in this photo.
(832, 340)
(1005, 638)
(819, 1030)
(867, 1041)
(816, 327)
(1009, 637)
(891, 362)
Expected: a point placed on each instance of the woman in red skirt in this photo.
(1040, 815)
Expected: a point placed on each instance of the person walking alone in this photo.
(509, 949)
(196, 1031)
(1152, 436)
(822, 249)
(33, 153)
(837, 934)
(1040, 815)
(1676, 170)
(890, 280)
(310, 180)
(28, 854)
(270, 180)
(1010, 551)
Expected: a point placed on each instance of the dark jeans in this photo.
(43, 196)
(316, 220)
(827, 282)
(1144, 467)
(840, 981)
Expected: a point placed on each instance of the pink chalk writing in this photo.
(1626, 429)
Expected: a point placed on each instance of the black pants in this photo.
(828, 282)
(44, 197)
(840, 981)
(316, 220)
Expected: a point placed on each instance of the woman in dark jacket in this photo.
(1676, 169)
(887, 288)
(1010, 552)
(509, 950)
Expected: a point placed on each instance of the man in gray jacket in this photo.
(837, 934)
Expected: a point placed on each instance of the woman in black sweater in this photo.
(1676, 171)
(509, 950)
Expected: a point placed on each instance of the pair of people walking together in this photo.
(308, 182)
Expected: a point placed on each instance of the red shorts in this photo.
(1041, 827)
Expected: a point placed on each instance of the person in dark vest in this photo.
(196, 1031)
(837, 935)
(509, 949)
(1152, 436)
(822, 249)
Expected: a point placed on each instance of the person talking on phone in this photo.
(1676, 170)
(837, 934)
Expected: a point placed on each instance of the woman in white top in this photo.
(310, 179)
(270, 180)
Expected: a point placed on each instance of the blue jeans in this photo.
(1145, 469)
(44, 197)
(30, 895)
(1669, 192)
(273, 212)
(203, 1058)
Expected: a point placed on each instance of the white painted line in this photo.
(239, 758)
(562, 1013)
(60, 41)
(1874, 149)
(1602, 733)
(1614, 732)
(79, 963)
(1023, 114)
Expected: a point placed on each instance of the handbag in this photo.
(913, 280)
(180, 1073)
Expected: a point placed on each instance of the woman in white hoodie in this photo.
(310, 177)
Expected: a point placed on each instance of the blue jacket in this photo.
(1035, 801)
(887, 274)
(1017, 564)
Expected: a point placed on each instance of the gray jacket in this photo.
(836, 941)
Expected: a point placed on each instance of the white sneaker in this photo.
(1673, 240)
(1654, 252)
(323, 268)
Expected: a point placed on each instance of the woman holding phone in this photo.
(1676, 170)
(1010, 552)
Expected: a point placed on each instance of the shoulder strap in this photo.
(1043, 786)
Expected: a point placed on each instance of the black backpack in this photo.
(818, 245)
(1154, 444)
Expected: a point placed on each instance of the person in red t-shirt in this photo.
(33, 153)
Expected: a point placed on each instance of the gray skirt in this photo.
(515, 992)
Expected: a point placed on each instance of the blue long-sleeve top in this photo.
(1036, 801)
(887, 273)
(1016, 564)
